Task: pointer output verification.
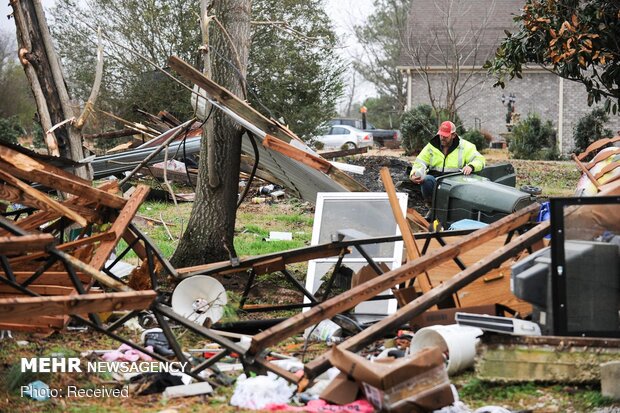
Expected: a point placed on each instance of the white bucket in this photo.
(458, 342)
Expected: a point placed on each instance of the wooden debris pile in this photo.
(56, 240)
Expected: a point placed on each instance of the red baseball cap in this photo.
(446, 129)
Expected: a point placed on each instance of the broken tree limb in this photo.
(94, 93)
(19, 308)
(112, 134)
(375, 286)
(436, 295)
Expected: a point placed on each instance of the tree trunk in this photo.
(44, 73)
(210, 231)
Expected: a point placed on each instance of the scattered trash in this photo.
(156, 339)
(326, 331)
(153, 383)
(415, 383)
(37, 390)
(257, 392)
(321, 406)
(5, 334)
(457, 343)
(187, 390)
(279, 236)
(127, 353)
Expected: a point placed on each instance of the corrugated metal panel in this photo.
(303, 182)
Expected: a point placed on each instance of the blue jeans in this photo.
(428, 186)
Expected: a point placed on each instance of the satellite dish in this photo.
(199, 298)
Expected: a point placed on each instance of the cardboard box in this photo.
(341, 390)
(417, 383)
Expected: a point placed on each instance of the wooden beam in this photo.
(16, 309)
(10, 193)
(102, 278)
(586, 171)
(345, 152)
(25, 243)
(105, 236)
(411, 247)
(60, 278)
(436, 295)
(314, 162)
(251, 115)
(24, 167)
(120, 226)
(230, 100)
(289, 257)
(388, 280)
(41, 289)
(43, 201)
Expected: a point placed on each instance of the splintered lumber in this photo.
(17, 309)
(255, 120)
(261, 263)
(24, 167)
(230, 100)
(104, 236)
(426, 301)
(102, 278)
(21, 244)
(410, 245)
(41, 200)
(120, 225)
(375, 286)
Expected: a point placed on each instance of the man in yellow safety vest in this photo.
(443, 154)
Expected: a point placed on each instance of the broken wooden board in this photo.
(17, 309)
(545, 359)
(376, 286)
(425, 301)
(493, 288)
(25, 243)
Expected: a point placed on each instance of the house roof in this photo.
(476, 27)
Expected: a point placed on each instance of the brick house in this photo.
(447, 40)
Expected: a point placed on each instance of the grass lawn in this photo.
(254, 223)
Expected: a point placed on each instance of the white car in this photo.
(345, 137)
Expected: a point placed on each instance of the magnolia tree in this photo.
(574, 39)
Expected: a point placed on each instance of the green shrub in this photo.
(533, 139)
(10, 129)
(477, 138)
(420, 124)
(417, 126)
(590, 128)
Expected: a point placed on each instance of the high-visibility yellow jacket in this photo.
(431, 159)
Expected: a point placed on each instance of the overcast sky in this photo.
(344, 13)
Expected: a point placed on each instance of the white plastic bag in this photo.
(257, 392)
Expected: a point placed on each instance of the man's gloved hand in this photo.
(416, 179)
(467, 170)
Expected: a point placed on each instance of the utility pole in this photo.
(44, 72)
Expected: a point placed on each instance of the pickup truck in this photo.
(382, 137)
